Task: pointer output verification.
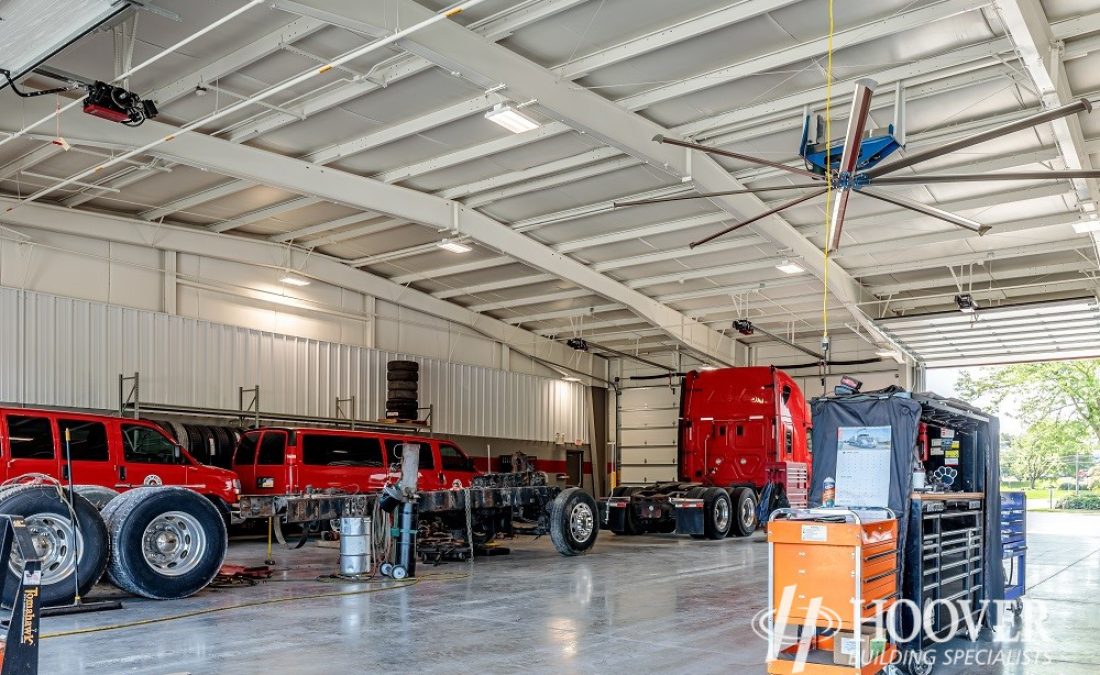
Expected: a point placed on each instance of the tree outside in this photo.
(1059, 404)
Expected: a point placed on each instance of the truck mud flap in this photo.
(689, 515)
(613, 514)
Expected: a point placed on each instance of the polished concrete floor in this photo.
(654, 604)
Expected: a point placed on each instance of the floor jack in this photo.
(20, 654)
(403, 494)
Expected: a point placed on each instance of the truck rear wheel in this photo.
(744, 512)
(98, 495)
(573, 521)
(67, 549)
(631, 526)
(717, 513)
(167, 542)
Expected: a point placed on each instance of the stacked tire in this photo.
(155, 542)
(402, 387)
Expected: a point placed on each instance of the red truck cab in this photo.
(735, 422)
(287, 461)
(113, 452)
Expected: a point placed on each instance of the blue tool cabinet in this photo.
(1014, 544)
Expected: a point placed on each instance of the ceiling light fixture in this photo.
(788, 266)
(454, 246)
(571, 379)
(294, 281)
(507, 116)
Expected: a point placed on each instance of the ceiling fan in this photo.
(851, 165)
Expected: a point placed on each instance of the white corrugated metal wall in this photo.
(65, 352)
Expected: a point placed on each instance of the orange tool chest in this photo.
(830, 571)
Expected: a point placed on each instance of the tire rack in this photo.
(248, 414)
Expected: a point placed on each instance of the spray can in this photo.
(828, 494)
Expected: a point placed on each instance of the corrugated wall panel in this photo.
(65, 352)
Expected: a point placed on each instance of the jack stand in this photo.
(20, 655)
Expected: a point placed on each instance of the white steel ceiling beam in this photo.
(452, 270)
(263, 214)
(1030, 30)
(1030, 249)
(29, 160)
(327, 226)
(267, 255)
(985, 276)
(340, 187)
(362, 231)
(604, 120)
(512, 282)
(127, 176)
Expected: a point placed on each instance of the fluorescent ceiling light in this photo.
(708, 367)
(294, 281)
(454, 246)
(571, 379)
(790, 267)
(1086, 226)
(506, 115)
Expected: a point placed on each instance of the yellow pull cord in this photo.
(828, 175)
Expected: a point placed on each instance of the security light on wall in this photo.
(507, 116)
(454, 246)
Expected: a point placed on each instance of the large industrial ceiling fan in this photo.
(851, 165)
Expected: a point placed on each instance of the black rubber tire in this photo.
(712, 529)
(194, 440)
(400, 396)
(562, 509)
(127, 519)
(179, 432)
(98, 495)
(223, 446)
(31, 500)
(402, 365)
(743, 498)
(402, 375)
(400, 385)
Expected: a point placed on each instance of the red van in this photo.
(112, 452)
(281, 460)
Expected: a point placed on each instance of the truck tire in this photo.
(744, 512)
(631, 526)
(717, 513)
(573, 521)
(399, 396)
(98, 495)
(167, 542)
(696, 493)
(401, 375)
(81, 550)
(402, 385)
(402, 365)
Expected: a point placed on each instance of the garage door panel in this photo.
(647, 474)
(654, 436)
(651, 455)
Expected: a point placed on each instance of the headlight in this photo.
(235, 485)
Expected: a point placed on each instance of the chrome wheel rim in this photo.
(581, 522)
(748, 514)
(173, 543)
(721, 514)
(56, 543)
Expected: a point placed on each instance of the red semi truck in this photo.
(743, 434)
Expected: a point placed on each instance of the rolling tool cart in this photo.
(832, 574)
(1014, 546)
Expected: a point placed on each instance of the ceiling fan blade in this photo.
(736, 155)
(927, 210)
(704, 195)
(837, 221)
(1082, 105)
(761, 216)
(857, 124)
(980, 177)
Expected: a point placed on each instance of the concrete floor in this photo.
(640, 605)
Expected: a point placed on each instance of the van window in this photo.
(272, 448)
(246, 449)
(148, 446)
(393, 446)
(454, 459)
(88, 440)
(30, 437)
(337, 450)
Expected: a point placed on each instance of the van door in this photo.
(89, 451)
(273, 467)
(149, 457)
(351, 462)
(455, 465)
(31, 445)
